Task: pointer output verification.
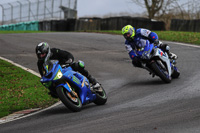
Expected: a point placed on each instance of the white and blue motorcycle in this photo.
(158, 63)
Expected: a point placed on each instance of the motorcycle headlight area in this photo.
(58, 75)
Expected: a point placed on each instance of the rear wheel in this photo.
(70, 100)
(101, 97)
(163, 74)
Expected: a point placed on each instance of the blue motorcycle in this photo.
(157, 62)
(71, 87)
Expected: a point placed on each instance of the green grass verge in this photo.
(185, 37)
(20, 90)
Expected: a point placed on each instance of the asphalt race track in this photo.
(136, 101)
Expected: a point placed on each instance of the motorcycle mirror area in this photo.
(47, 66)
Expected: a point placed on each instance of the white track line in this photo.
(24, 68)
(33, 72)
(184, 44)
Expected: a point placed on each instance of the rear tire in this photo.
(101, 97)
(159, 72)
(72, 103)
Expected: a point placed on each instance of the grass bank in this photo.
(185, 37)
(21, 90)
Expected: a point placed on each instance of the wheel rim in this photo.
(101, 92)
(75, 99)
(165, 72)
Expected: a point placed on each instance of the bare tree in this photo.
(152, 6)
(155, 7)
(159, 9)
(188, 10)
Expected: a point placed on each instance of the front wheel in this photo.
(70, 100)
(176, 73)
(163, 74)
(101, 97)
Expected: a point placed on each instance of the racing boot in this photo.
(95, 85)
(166, 48)
(172, 55)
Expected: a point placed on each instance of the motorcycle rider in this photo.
(45, 53)
(136, 41)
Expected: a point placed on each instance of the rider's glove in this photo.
(156, 42)
(145, 55)
(67, 63)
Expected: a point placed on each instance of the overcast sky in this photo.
(100, 7)
(104, 7)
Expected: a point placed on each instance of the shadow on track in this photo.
(61, 109)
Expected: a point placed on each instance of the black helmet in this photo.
(43, 51)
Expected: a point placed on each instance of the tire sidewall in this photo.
(101, 100)
(66, 101)
(158, 72)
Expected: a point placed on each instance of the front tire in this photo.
(176, 73)
(70, 101)
(101, 97)
(160, 72)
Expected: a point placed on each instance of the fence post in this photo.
(2, 14)
(20, 10)
(60, 9)
(29, 10)
(52, 5)
(11, 12)
(44, 9)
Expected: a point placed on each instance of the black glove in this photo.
(67, 63)
(156, 42)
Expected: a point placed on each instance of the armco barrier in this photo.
(117, 23)
(57, 25)
(113, 23)
(23, 26)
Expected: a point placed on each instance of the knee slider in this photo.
(136, 62)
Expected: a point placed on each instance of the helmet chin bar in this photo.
(42, 55)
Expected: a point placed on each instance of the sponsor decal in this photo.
(75, 79)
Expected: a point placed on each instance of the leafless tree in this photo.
(154, 7)
(188, 10)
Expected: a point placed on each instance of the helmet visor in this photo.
(127, 35)
(41, 55)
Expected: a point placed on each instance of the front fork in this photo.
(69, 89)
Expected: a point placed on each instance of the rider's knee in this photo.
(136, 62)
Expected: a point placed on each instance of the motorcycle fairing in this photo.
(81, 83)
(164, 57)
